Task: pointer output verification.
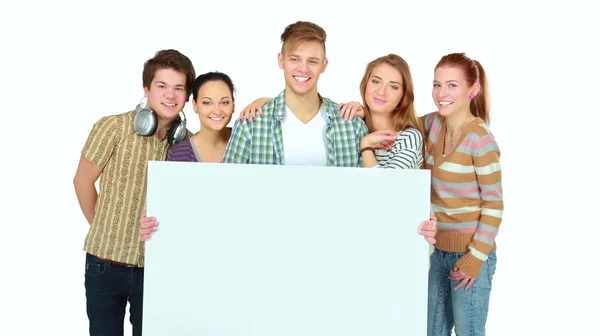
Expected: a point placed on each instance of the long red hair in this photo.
(474, 73)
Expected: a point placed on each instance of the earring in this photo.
(471, 96)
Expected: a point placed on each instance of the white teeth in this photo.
(301, 79)
(445, 103)
(216, 119)
(169, 105)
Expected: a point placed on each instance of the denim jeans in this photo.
(466, 311)
(108, 287)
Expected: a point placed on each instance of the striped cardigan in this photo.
(466, 190)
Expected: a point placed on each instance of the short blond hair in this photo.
(302, 31)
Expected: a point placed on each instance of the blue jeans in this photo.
(466, 311)
(108, 287)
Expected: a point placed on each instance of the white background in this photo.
(66, 64)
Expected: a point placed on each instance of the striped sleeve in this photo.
(408, 151)
(102, 140)
(486, 159)
(183, 151)
(238, 147)
(427, 121)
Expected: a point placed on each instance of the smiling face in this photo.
(167, 94)
(214, 105)
(384, 89)
(451, 91)
(302, 66)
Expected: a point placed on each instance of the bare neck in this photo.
(304, 107)
(457, 121)
(163, 127)
(382, 122)
(212, 137)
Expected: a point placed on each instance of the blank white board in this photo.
(285, 250)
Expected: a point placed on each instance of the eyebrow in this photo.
(448, 81)
(310, 58)
(224, 97)
(164, 83)
(390, 81)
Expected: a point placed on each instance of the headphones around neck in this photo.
(145, 123)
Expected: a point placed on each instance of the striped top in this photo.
(406, 153)
(123, 155)
(466, 190)
(183, 151)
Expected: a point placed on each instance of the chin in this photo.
(379, 110)
(216, 128)
(167, 115)
(444, 112)
(301, 92)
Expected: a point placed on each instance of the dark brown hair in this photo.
(169, 59)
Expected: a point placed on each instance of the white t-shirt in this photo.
(304, 144)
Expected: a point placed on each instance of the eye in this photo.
(179, 89)
(161, 86)
(435, 85)
(395, 87)
(313, 62)
(374, 81)
(206, 103)
(452, 85)
(225, 103)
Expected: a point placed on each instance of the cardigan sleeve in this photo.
(486, 159)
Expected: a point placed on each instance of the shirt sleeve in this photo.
(238, 147)
(408, 155)
(101, 141)
(486, 159)
(427, 121)
(361, 132)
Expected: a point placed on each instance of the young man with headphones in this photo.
(119, 148)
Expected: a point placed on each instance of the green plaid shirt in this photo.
(261, 141)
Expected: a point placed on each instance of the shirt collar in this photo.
(280, 107)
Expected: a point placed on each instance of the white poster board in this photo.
(285, 251)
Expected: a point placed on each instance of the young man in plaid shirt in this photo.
(299, 126)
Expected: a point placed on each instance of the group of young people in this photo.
(301, 127)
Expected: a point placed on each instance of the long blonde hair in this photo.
(404, 115)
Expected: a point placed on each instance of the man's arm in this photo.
(238, 147)
(96, 153)
(361, 132)
(85, 177)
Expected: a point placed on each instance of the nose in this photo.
(441, 91)
(380, 90)
(170, 92)
(303, 66)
